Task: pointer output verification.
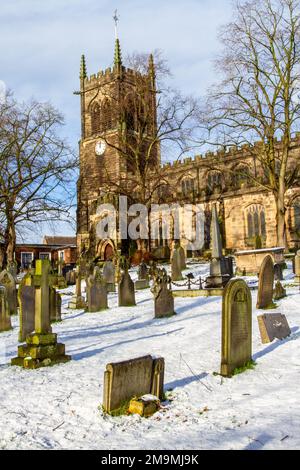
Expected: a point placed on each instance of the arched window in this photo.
(106, 116)
(187, 186)
(129, 114)
(256, 221)
(95, 119)
(240, 177)
(214, 180)
(163, 191)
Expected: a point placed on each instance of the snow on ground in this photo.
(60, 407)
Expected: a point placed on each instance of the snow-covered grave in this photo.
(60, 407)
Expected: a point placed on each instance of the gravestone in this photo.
(176, 266)
(278, 274)
(77, 302)
(279, 291)
(7, 280)
(5, 321)
(182, 257)
(273, 325)
(133, 378)
(109, 274)
(143, 277)
(297, 267)
(96, 292)
(220, 267)
(163, 297)
(26, 297)
(266, 283)
(41, 348)
(54, 305)
(126, 290)
(236, 327)
(71, 278)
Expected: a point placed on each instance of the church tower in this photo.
(115, 105)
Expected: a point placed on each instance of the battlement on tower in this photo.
(110, 74)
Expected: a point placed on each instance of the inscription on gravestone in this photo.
(236, 327)
(273, 325)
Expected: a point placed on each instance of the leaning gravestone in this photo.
(134, 378)
(266, 283)
(96, 291)
(26, 297)
(5, 321)
(176, 266)
(126, 290)
(163, 297)
(109, 275)
(273, 325)
(7, 280)
(236, 327)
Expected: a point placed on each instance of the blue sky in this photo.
(41, 43)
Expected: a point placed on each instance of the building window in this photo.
(106, 116)
(95, 119)
(45, 256)
(256, 221)
(241, 177)
(26, 260)
(61, 255)
(187, 186)
(214, 180)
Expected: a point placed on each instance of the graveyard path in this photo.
(60, 407)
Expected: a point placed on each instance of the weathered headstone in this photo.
(182, 257)
(126, 290)
(77, 302)
(273, 325)
(71, 278)
(220, 267)
(278, 274)
(176, 266)
(163, 297)
(96, 292)
(279, 291)
(266, 283)
(134, 378)
(41, 348)
(109, 275)
(26, 297)
(143, 277)
(54, 305)
(7, 280)
(5, 321)
(236, 327)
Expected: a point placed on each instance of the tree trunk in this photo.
(10, 240)
(280, 221)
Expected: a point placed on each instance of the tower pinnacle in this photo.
(83, 72)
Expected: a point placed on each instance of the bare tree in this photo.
(37, 169)
(258, 96)
(152, 119)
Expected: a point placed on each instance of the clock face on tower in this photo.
(100, 147)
